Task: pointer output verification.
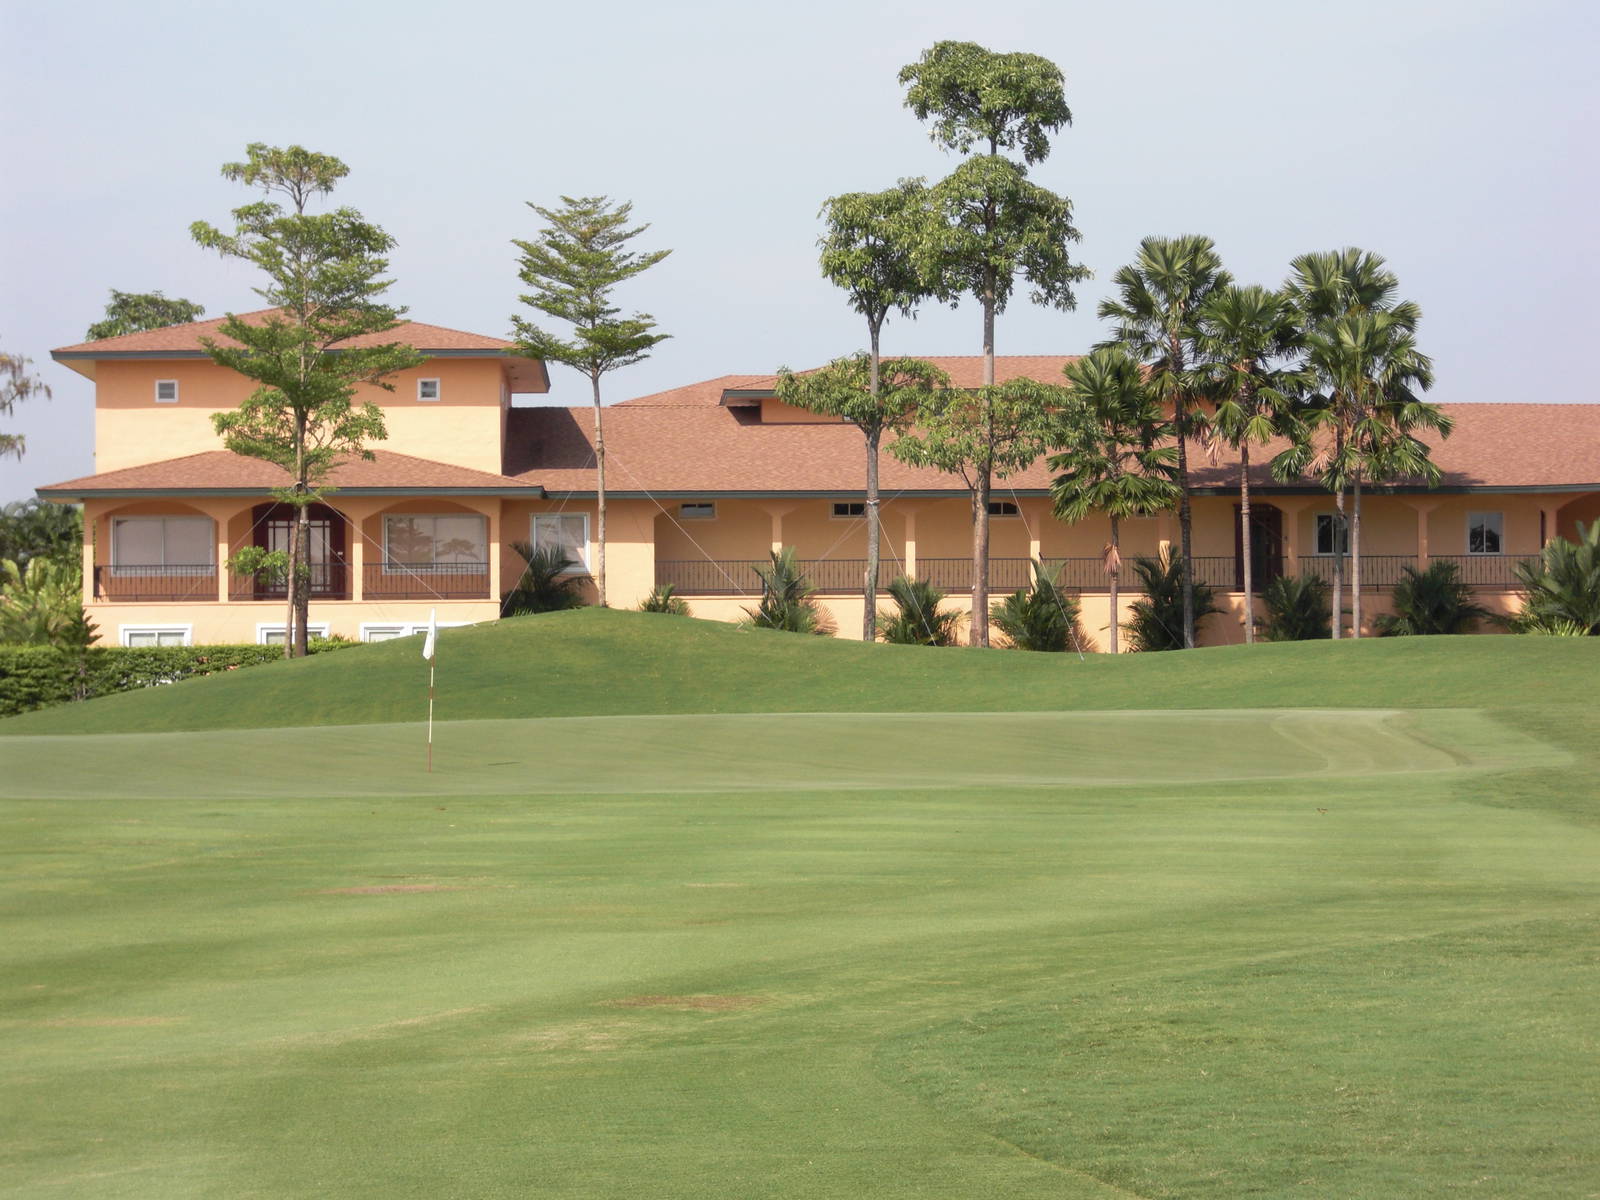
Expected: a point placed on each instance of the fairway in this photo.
(1289, 950)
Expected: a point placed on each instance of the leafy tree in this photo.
(981, 436)
(1155, 318)
(16, 385)
(1157, 620)
(1297, 608)
(1431, 601)
(1245, 334)
(1116, 453)
(42, 604)
(547, 584)
(1363, 362)
(1561, 592)
(324, 276)
(788, 600)
(39, 529)
(664, 598)
(135, 312)
(920, 621)
(876, 398)
(991, 225)
(1041, 617)
(868, 251)
(574, 264)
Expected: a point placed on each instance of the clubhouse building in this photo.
(703, 482)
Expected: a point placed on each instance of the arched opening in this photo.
(272, 528)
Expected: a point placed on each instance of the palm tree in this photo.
(1154, 319)
(1243, 332)
(1117, 454)
(1362, 358)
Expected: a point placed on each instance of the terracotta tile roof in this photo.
(224, 471)
(185, 339)
(683, 441)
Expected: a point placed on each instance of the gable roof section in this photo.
(183, 341)
(223, 473)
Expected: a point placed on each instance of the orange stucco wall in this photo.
(462, 427)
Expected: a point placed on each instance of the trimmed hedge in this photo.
(38, 676)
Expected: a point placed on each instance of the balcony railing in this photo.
(130, 582)
(1489, 570)
(329, 581)
(426, 581)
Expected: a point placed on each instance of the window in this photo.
(1003, 508)
(1326, 523)
(843, 509)
(442, 544)
(427, 389)
(1485, 532)
(155, 635)
(387, 633)
(166, 391)
(272, 635)
(567, 532)
(138, 543)
(698, 510)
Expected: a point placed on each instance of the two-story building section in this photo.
(703, 482)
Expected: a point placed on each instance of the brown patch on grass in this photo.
(382, 889)
(585, 1037)
(691, 1003)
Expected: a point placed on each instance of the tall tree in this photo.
(574, 264)
(877, 398)
(1155, 318)
(17, 384)
(32, 529)
(868, 252)
(981, 435)
(1245, 334)
(1362, 356)
(135, 312)
(993, 225)
(324, 279)
(1116, 453)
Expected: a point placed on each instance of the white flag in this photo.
(433, 630)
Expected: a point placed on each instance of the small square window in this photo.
(849, 508)
(1003, 508)
(1485, 533)
(1326, 524)
(166, 391)
(699, 510)
(427, 389)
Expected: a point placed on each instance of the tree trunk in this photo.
(296, 545)
(869, 583)
(980, 560)
(1355, 564)
(600, 496)
(1185, 539)
(1114, 570)
(302, 602)
(1244, 542)
(1338, 563)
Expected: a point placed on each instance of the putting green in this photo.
(788, 751)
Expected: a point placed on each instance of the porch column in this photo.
(910, 511)
(776, 512)
(1291, 510)
(1424, 508)
(1549, 522)
(90, 519)
(220, 515)
(355, 512)
(1035, 523)
(494, 548)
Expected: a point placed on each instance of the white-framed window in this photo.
(155, 635)
(166, 391)
(435, 543)
(1486, 533)
(697, 510)
(1003, 508)
(138, 543)
(427, 389)
(272, 635)
(568, 532)
(387, 631)
(1326, 524)
(848, 510)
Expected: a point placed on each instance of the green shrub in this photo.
(545, 585)
(665, 599)
(1561, 592)
(788, 601)
(919, 621)
(1157, 620)
(1042, 617)
(1430, 601)
(38, 676)
(1298, 609)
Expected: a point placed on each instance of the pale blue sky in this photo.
(1456, 137)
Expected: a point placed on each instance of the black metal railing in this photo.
(425, 581)
(1488, 570)
(129, 582)
(329, 581)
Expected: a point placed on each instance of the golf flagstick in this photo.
(427, 653)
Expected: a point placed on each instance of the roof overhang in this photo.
(525, 375)
(71, 495)
(745, 397)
